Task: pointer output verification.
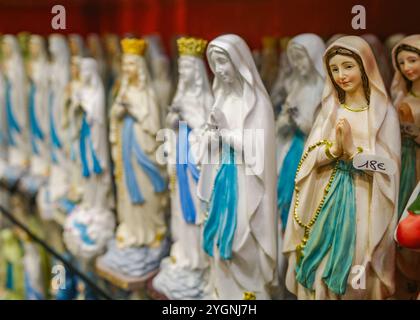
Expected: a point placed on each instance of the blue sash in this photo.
(36, 132)
(55, 140)
(183, 164)
(12, 123)
(85, 138)
(130, 146)
(286, 179)
(221, 222)
(30, 292)
(334, 232)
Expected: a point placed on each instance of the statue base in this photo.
(180, 283)
(87, 231)
(135, 262)
(120, 280)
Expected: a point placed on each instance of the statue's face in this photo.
(223, 67)
(7, 49)
(53, 47)
(130, 66)
(299, 59)
(74, 47)
(409, 63)
(34, 49)
(85, 75)
(75, 70)
(346, 73)
(186, 70)
(93, 47)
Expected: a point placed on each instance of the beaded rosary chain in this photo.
(308, 226)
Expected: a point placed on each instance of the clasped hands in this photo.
(216, 122)
(344, 146)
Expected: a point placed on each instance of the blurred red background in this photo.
(251, 19)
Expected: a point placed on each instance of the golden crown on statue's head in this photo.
(134, 46)
(269, 42)
(189, 46)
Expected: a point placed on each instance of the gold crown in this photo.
(134, 46)
(191, 46)
(284, 42)
(269, 42)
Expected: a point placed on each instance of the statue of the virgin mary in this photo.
(16, 110)
(406, 90)
(184, 275)
(295, 121)
(38, 68)
(55, 192)
(141, 240)
(298, 112)
(240, 231)
(339, 235)
(4, 198)
(91, 224)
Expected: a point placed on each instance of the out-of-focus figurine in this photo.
(16, 111)
(141, 237)
(113, 58)
(282, 84)
(184, 275)
(54, 195)
(269, 61)
(96, 51)
(160, 73)
(38, 70)
(76, 45)
(91, 224)
(298, 113)
(12, 264)
(406, 88)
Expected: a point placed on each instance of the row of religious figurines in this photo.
(314, 198)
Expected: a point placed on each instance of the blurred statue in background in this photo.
(96, 51)
(141, 237)
(406, 91)
(91, 224)
(295, 121)
(55, 193)
(38, 70)
(158, 63)
(113, 59)
(282, 83)
(269, 61)
(76, 45)
(298, 113)
(16, 111)
(4, 197)
(184, 275)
